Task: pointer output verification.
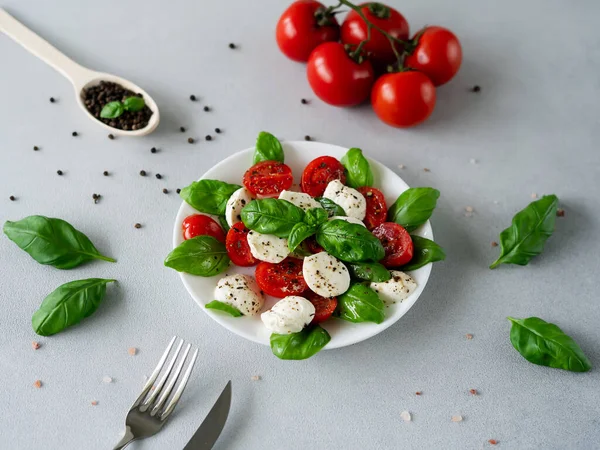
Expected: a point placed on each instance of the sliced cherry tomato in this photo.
(201, 225)
(237, 245)
(438, 54)
(319, 172)
(313, 245)
(376, 207)
(268, 178)
(354, 31)
(324, 307)
(403, 99)
(303, 26)
(336, 78)
(397, 243)
(281, 279)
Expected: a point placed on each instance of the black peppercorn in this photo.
(159, 176)
(231, 45)
(182, 129)
(208, 137)
(476, 88)
(190, 140)
(138, 225)
(304, 101)
(105, 173)
(207, 108)
(12, 198)
(35, 148)
(111, 136)
(143, 173)
(217, 130)
(165, 191)
(52, 100)
(74, 133)
(59, 172)
(193, 97)
(178, 190)
(307, 138)
(153, 150)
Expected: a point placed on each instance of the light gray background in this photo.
(534, 128)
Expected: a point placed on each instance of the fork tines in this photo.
(155, 395)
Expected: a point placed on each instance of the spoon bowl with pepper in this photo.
(110, 101)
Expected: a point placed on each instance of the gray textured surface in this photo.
(533, 128)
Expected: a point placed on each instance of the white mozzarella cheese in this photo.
(289, 315)
(267, 247)
(396, 289)
(325, 275)
(300, 199)
(349, 219)
(236, 202)
(241, 292)
(352, 201)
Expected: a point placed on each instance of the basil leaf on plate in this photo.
(530, 229)
(268, 148)
(224, 224)
(112, 110)
(208, 196)
(360, 303)
(134, 103)
(349, 242)
(300, 232)
(413, 207)
(543, 343)
(369, 271)
(68, 304)
(53, 242)
(358, 170)
(302, 345)
(425, 251)
(203, 256)
(315, 216)
(332, 208)
(272, 216)
(225, 307)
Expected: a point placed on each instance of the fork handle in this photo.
(127, 439)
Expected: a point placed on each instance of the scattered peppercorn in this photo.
(111, 136)
(153, 150)
(231, 45)
(207, 108)
(96, 198)
(52, 100)
(208, 137)
(105, 173)
(307, 138)
(476, 88)
(159, 176)
(418, 393)
(138, 225)
(74, 134)
(494, 244)
(165, 191)
(304, 101)
(190, 140)
(217, 130)
(426, 170)
(193, 97)
(143, 173)
(12, 198)
(182, 129)
(473, 391)
(493, 441)
(35, 148)
(59, 172)
(178, 190)
(560, 212)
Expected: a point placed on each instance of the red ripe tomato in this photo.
(302, 27)
(313, 245)
(376, 207)
(437, 54)
(319, 172)
(237, 245)
(324, 307)
(200, 225)
(354, 30)
(281, 279)
(268, 178)
(397, 243)
(336, 78)
(403, 99)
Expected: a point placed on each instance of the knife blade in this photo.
(209, 430)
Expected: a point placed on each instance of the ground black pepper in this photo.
(74, 134)
(35, 148)
(208, 137)
(138, 225)
(143, 173)
(193, 97)
(190, 140)
(111, 136)
(153, 150)
(59, 172)
(159, 176)
(182, 129)
(12, 198)
(217, 130)
(207, 108)
(165, 191)
(52, 100)
(105, 173)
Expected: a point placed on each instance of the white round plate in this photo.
(297, 155)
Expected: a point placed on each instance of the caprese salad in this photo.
(333, 251)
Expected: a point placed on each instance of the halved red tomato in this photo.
(397, 243)
(237, 245)
(376, 207)
(281, 279)
(313, 245)
(319, 172)
(268, 178)
(199, 225)
(324, 307)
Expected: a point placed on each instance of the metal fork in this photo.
(149, 413)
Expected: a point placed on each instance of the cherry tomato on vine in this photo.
(336, 78)
(403, 99)
(302, 27)
(437, 54)
(354, 30)
(201, 225)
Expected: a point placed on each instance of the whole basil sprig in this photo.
(349, 242)
(546, 344)
(425, 251)
(529, 231)
(112, 110)
(268, 148)
(272, 216)
(360, 303)
(414, 207)
(53, 242)
(208, 196)
(301, 345)
(68, 305)
(358, 170)
(203, 256)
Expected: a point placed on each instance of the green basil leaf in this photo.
(225, 307)
(349, 242)
(300, 232)
(369, 271)
(208, 196)
(268, 148)
(53, 242)
(300, 345)
(272, 216)
(134, 103)
(112, 110)
(425, 251)
(315, 216)
(414, 207)
(224, 224)
(530, 229)
(360, 303)
(68, 304)
(543, 343)
(332, 208)
(358, 170)
(203, 256)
